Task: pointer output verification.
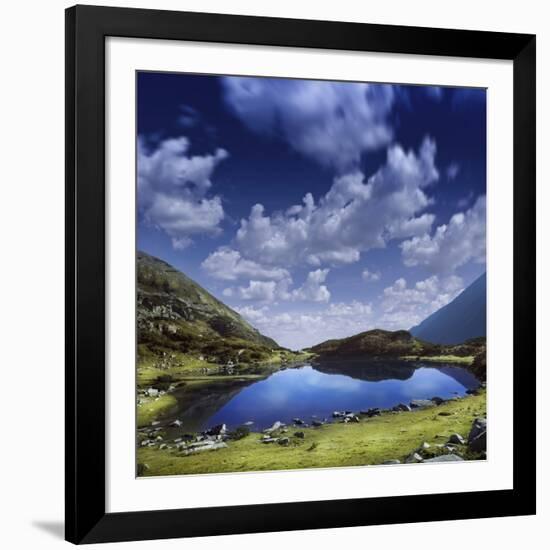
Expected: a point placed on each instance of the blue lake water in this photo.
(316, 391)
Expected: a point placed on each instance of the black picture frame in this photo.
(86, 30)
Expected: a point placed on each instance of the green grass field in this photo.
(372, 441)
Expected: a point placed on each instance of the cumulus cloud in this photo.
(228, 265)
(300, 329)
(313, 290)
(404, 306)
(453, 244)
(370, 276)
(332, 123)
(174, 190)
(352, 217)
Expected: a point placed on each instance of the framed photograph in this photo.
(300, 274)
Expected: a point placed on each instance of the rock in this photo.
(413, 458)
(424, 446)
(337, 414)
(472, 392)
(269, 439)
(477, 439)
(444, 413)
(152, 392)
(456, 439)
(299, 435)
(445, 458)
(437, 400)
(163, 446)
(401, 407)
(275, 426)
(176, 424)
(284, 441)
(212, 446)
(220, 429)
(393, 461)
(316, 423)
(419, 403)
(298, 421)
(374, 411)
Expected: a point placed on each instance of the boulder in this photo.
(456, 439)
(424, 446)
(220, 429)
(437, 400)
(477, 439)
(176, 424)
(444, 458)
(275, 426)
(284, 441)
(338, 414)
(269, 439)
(212, 446)
(316, 423)
(374, 411)
(299, 435)
(413, 458)
(401, 407)
(297, 421)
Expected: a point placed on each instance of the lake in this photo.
(315, 391)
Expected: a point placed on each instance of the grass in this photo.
(151, 409)
(465, 360)
(372, 441)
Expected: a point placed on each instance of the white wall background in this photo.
(31, 272)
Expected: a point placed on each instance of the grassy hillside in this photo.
(402, 344)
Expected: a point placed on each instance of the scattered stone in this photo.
(220, 429)
(275, 426)
(152, 392)
(155, 423)
(212, 446)
(270, 439)
(298, 421)
(393, 461)
(374, 411)
(176, 424)
(445, 458)
(419, 403)
(424, 446)
(338, 414)
(163, 446)
(437, 400)
(413, 458)
(316, 423)
(284, 441)
(477, 439)
(300, 435)
(456, 439)
(401, 407)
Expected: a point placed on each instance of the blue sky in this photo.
(316, 209)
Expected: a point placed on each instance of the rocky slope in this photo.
(175, 314)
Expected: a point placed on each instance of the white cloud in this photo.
(313, 290)
(352, 217)
(173, 190)
(300, 329)
(370, 276)
(333, 123)
(259, 291)
(452, 245)
(402, 306)
(228, 265)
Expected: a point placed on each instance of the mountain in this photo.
(462, 319)
(175, 314)
(379, 343)
(375, 343)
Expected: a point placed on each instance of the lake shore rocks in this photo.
(477, 438)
